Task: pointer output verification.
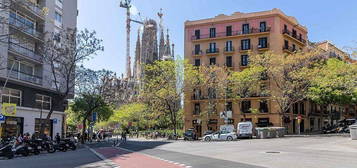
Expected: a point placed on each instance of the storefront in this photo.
(13, 126)
(47, 124)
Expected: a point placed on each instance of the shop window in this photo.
(47, 124)
(13, 126)
(263, 122)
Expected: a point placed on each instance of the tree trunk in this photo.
(84, 122)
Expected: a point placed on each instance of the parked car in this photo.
(220, 136)
(208, 132)
(190, 134)
(245, 130)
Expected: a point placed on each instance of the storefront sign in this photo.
(55, 121)
(8, 109)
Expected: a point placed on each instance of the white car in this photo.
(220, 136)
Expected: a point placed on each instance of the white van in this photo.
(245, 129)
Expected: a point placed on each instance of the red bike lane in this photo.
(126, 159)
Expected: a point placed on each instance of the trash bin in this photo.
(353, 132)
(271, 132)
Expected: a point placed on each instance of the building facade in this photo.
(25, 75)
(228, 41)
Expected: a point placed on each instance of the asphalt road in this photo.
(69, 159)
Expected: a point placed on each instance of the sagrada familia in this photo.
(147, 51)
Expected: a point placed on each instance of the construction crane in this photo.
(127, 5)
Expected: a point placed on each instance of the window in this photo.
(197, 49)
(197, 34)
(228, 30)
(263, 108)
(246, 106)
(295, 108)
(196, 94)
(12, 96)
(300, 36)
(294, 33)
(302, 108)
(294, 47)
(212, 48)
(212, 61)
(229, 46)
(229, 61)
(211, 93)
(212, 32)
(43, 102)
(48, 126)
(285, 28)
(197, 109)
(244, 60)
(263, 27)
(245, 29)
(229, 106)
(197, 62)
(58, 17)
(286, 44)
(245, 44)
(263, 42)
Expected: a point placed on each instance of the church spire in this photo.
(136, 69)
(162, 38)
(167, 49)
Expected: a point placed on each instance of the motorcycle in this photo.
(70, 144)
(6, 149)
(21, 148)
(33, 146)
(46, 145)
(61, 146)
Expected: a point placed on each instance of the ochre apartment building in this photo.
(228, 41)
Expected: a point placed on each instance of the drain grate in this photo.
(272, 152)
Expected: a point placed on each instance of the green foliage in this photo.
(334, 82)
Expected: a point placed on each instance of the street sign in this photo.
(55, 121)
(94, 116)
(2, 117)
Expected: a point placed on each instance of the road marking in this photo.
(155, 157)
(113, 165)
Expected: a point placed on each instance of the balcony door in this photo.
(229, 46)
(212, 47)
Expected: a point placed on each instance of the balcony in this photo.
(25, 77)
(20, 50)
(289, 49)
(212, 51)
(22, 27)
(263, 47)
(251, 31)
(197, 53)
(289, 34)
(228, 50)
(246, 49)
(32, 8)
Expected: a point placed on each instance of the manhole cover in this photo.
(272, 152)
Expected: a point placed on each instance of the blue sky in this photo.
(325, 19)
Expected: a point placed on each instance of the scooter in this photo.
(21, 148)
(6, 149)
(70, 144)
(33, 147)
(61, 146)
(46, 145)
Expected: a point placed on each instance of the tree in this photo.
(289, 75)
(63, 52)
(162, 91)
(87, 104)
(334, 82)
